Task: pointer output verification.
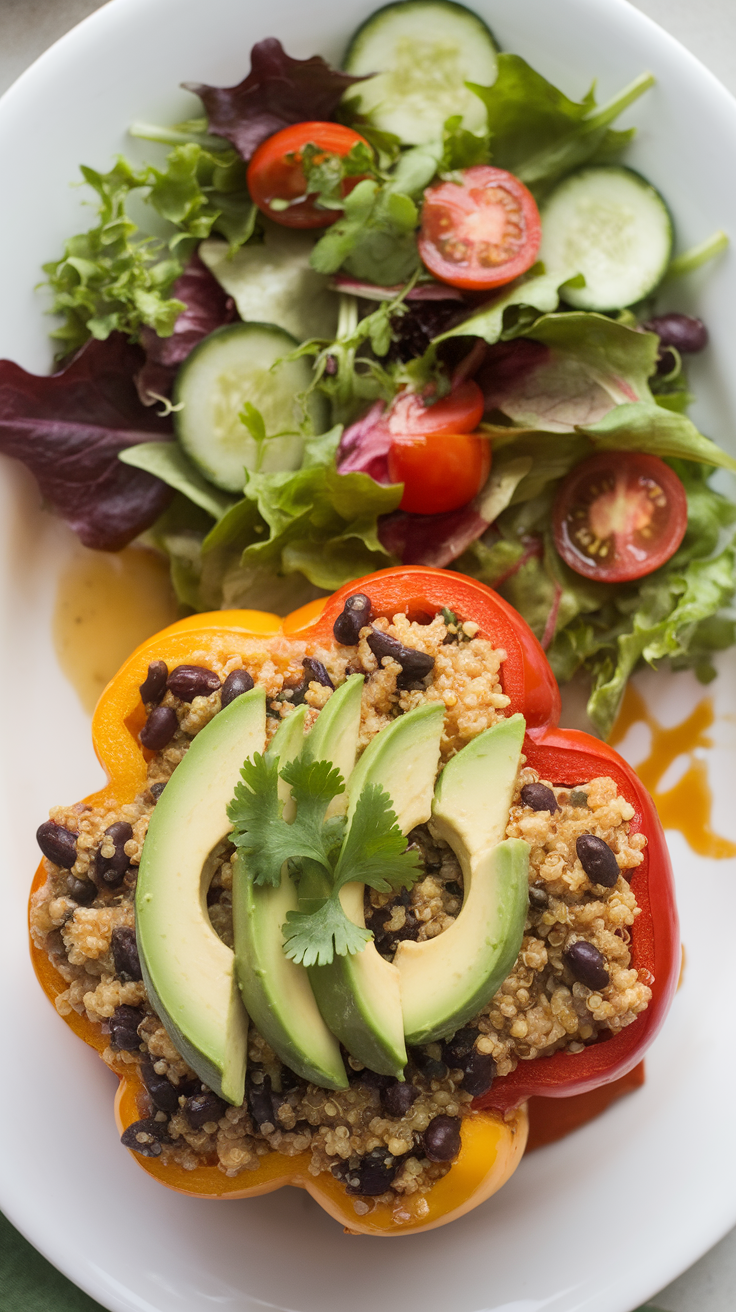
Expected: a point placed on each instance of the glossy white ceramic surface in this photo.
(597, 1223)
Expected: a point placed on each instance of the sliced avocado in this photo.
(276, 991)
(446, 980)
(188, 971)
(359, 995)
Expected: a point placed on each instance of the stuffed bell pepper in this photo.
(350, 898)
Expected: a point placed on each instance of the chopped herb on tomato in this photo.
(300, 175)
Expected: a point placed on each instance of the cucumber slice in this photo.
(613, 227)
(231, 366)
(423, 51)
(273, 282)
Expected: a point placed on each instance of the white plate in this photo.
(600, 1221)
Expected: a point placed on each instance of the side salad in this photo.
(405, 312)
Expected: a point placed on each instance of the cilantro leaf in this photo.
(375, 851)
(257, 814)
(313, 938)
(313, 786)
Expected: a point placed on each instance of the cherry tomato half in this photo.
(459, 412)
(480, 232)
(619, 515)
(275, 172)
(439, 471)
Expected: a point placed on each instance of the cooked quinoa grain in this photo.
(374, 1136)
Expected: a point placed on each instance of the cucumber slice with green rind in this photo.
(611, 225)
(422, 52)
(231, 366)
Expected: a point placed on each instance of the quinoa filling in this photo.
(385, 1140)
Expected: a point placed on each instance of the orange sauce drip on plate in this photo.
(687, 805)
(107, 604)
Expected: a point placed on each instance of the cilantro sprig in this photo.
(324, 853)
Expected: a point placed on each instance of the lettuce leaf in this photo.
(206, 307)
(168, 461)
(290, 538)
(278, 91)
(539, 134)
(109, 279)
(69, 430)
(584, 373)
(115, 279)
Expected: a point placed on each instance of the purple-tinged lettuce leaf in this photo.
(433, 540)
(278, 91)
(365, 445)
(207, 307)
(68, 429)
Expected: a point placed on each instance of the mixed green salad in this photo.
(402, 312)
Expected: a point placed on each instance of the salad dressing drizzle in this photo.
(687, 805)
(107, 604)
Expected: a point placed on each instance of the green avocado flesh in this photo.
(446, 980)
(188, 971)
(359, 995)
(276, 991)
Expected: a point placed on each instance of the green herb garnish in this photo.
(325, 853)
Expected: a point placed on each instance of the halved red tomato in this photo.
(459, 412)
(481, 232)
(440, 471)
(619, 515)
(275, 172)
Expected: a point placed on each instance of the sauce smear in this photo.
(687, 805)
(107, 604)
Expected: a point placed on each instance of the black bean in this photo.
(397, 1098)
(154, 685)
(314, 672)
(260, 1102)
(538, 898)
(146, 1136)
(370, 1078)
(57, 844)
(189, 681)
(236, 683)
(159, 728)
(429, 1067)
(687, 334)
(163, 1095)
(156, 790)
(354, 616)
(587, 964)
(539, 797)
(479, 1072)
(371, 1175)
(204, 1107)
(597, 860)
(442, 1139)
(415, 665)
(456, 1049)
(110, 870)
(82, 890)
(124, 1024)
(125, 953)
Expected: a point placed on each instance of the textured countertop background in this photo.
(27, 27)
